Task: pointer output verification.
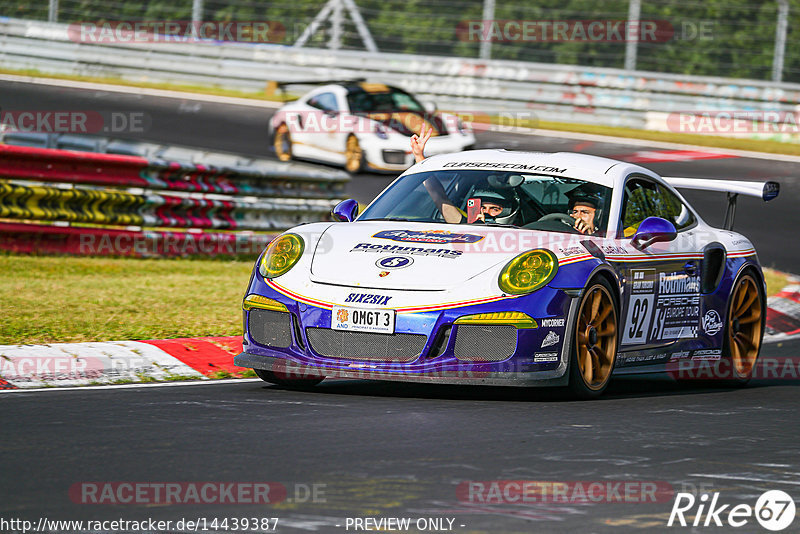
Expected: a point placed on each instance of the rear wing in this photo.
(273, 85)
(763, 190)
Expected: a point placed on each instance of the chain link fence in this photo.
(727, 38)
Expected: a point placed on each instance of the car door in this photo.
(662, 282)
(323, 128)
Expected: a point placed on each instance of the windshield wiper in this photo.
(390, 219)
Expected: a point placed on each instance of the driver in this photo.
(584, 209)
(494, 204)
(496, 207)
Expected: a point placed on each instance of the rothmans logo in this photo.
(414, 251)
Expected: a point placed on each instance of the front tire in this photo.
(354, 155)
(283, 143)
(273, 378)
(593, 351)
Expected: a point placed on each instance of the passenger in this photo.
(584, 209)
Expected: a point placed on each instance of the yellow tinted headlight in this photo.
(516, 319)
(281, 255)
(257, 301)
(528, 272)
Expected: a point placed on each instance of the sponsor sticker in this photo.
(571, 251)
(679, 355)
(367, 298)
(427, 236)
(552, 323)
(545, 357)
(414, 251)
(363, 320)
(497, 165)
(613, 250)
(712, 323)
(394, 262)
(662, 306)
(550, 339)
(707, 354)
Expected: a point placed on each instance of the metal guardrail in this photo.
(568, 93)
(222, 201)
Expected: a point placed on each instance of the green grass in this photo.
(70, 299)
(48, 299)
(753, 145)
(776, 281)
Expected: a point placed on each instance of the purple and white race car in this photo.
(415, 288)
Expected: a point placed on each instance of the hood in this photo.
(409, 122)
(410, 256)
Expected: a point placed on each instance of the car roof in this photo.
(603, 171)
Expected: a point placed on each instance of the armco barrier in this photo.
(161, 167)
(569, 93)
(211, 197)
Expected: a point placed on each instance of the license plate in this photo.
(363, 320)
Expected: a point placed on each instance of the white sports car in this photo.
(362, 126)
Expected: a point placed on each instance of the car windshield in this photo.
(383, 101)
(533, 201)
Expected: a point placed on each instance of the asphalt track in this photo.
(376, 449)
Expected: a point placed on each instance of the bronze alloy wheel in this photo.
(283, 143)
(595, 343)
(744, 329)
(353, 154)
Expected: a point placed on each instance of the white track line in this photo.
(136, 386)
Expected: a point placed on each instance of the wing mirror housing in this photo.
(653, 230)
(345, 211)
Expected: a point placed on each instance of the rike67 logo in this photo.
(774, 510)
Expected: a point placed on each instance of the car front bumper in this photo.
(535, 358)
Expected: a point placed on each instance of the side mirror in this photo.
(653, 230)
(345, 211)
(430, 107)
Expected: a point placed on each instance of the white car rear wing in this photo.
(763, 190)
